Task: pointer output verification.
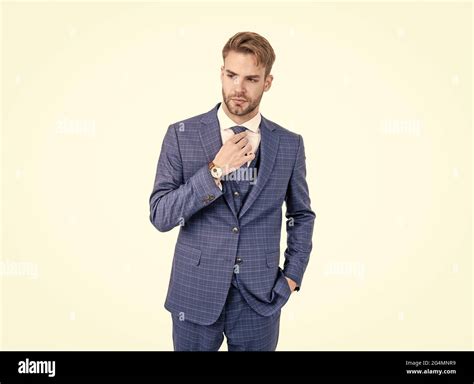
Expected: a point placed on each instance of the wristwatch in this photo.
(216, 171)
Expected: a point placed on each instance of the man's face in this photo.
(243, 83)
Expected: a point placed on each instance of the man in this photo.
(223, 177)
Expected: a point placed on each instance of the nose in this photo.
(238, 88)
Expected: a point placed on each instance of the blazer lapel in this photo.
(211, 141)
(269, 141)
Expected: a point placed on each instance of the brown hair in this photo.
(253, 43)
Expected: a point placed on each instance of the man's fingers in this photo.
(243, 143)
(239, 136)
(248, 157)
(245, 149)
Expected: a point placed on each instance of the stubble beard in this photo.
(239, 111)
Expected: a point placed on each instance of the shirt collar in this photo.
(226, 122)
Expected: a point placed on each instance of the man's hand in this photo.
(291, 283)
(234, 153)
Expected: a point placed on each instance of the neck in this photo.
(239, 119)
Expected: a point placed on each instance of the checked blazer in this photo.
(212, 234)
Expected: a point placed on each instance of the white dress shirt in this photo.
(252, 125)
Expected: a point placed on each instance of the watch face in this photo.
(216, 172)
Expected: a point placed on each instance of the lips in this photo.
(239, 100)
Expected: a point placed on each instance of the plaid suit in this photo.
(212, 234)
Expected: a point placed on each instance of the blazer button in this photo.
(235, 230)
(238, 260)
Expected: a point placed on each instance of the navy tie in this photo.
(238, 128)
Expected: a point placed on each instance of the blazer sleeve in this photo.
(300, 220)
(173, 201)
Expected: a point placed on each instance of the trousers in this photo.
(244, 329)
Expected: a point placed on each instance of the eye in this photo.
(230, 76)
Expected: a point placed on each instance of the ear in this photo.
(268, 83)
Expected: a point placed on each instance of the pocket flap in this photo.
(273, 258)
(188, 253)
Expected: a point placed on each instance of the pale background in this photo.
(381, 94)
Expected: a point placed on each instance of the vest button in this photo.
(236, 194)
(235, 230)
